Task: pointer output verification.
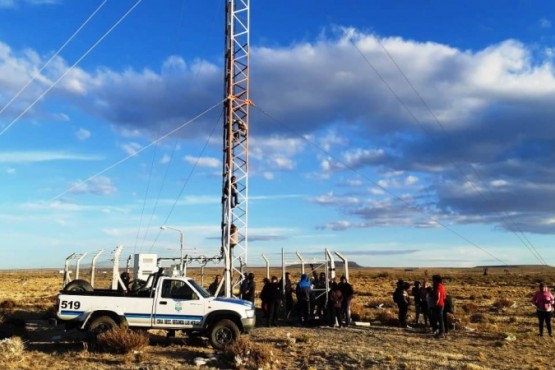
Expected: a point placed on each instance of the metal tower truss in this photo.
(235, 143)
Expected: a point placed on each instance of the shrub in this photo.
(120, 340)
(12, 327)
(387, 317)
(357, 310)
(11, 349)
(469, 307)
(481, 318)
(249, 355)
(7, 305)
(303, 338)
(502, 303)
(383, 275)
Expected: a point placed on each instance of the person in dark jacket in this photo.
(248, 288)
(401, 298)
(347, 292)
(417, 299)
(286, 287)
(214, 286)
(271, 296)
(303, 292)
(424, 309)
(264, 297)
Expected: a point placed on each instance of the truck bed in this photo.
(111, 293)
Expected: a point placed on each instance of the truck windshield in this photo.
(199, 289)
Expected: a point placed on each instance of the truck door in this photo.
(177, 306)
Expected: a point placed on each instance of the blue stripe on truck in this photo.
(161, 316)
(234, 300)
(71, 313)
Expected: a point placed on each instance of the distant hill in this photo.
(514, 267)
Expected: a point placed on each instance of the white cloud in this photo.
(10, 171)
(131, 148)
(411, 180)
(44, 156)
(202, 161)
(282, 163)
(354, 183)
(275, 153)
(268, 175)
(83, 134)
(338, 200)
(48, 207)
(165, 159)
(544, 23)
(101, 185)
(7, 3)
(332, 139)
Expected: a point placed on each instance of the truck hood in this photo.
(246, 304)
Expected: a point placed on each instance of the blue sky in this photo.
(405, 133)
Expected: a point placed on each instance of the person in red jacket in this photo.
(439, 301)
(543, 300)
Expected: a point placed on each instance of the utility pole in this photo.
(235, 140)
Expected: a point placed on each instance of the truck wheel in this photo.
(100, 325)
(78, 286)
(222, 333)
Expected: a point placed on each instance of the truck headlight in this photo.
(250, 313)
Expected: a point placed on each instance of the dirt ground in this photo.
(496, 328)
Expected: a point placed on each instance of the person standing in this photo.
(401, 298)
(274, 299)
(417, 299)
(347, 292)
(303, 292)
(212, 288)
(248, 288)
(287, 288)
(336, 303)
(439, 303)
(543, 300)
(264, 296)
(424, 304)
(430, 302)
(270, 296)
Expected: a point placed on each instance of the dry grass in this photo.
(247, 354)
(503, 304)
(476, 345)
(387, 317)
(121, 341)
(12, 350)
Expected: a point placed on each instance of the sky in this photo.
(398, 133)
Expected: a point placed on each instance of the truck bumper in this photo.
(248, 324)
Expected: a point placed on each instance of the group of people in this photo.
(333, 308)
(312, 302)
(432, 302)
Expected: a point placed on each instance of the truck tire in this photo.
(78, 286)
(100, 325)
(222, 333)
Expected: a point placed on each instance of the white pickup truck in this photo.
(173, 303)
